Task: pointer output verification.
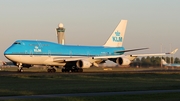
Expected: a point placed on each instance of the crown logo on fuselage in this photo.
(117, 37)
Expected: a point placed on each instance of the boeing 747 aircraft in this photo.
(169, 64)
(74, 58)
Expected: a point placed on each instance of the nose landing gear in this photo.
(20, 68)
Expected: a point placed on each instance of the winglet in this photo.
(173, 52)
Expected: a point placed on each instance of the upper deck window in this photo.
(39, 44)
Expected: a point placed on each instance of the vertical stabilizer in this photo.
(117, 37)
(164, 62)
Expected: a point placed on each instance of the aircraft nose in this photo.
(8, 54)
(7, 51)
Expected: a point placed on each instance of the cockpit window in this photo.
(17, 43)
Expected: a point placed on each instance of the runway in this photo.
(89, 94)
(6, 73)
(93, 70)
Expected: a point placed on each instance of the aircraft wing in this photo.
(130, 57)
(116, 56)
(59, 59)
(135, 55)
(157, 54)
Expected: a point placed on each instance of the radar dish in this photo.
(61, 25)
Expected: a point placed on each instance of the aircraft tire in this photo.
(51, 70)
(20, 70)
(48, 70)
(63, 70)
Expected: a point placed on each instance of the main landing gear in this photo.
(20, 68)
(72, 69)
(51, 69)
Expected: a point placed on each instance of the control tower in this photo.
(60, 34)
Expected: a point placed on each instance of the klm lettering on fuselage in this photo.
(37, 49)
(117, 38)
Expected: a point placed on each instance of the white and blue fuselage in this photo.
(44, 52)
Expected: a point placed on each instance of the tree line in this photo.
(153, 61)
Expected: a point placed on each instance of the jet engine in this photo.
(121, 61)
(83, 64)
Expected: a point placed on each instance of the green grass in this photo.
(44, 83)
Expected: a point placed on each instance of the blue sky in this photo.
(91, 22)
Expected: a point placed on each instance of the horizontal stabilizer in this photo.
(131, 50)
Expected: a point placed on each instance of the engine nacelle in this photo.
(83, 64)
(123, 61)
